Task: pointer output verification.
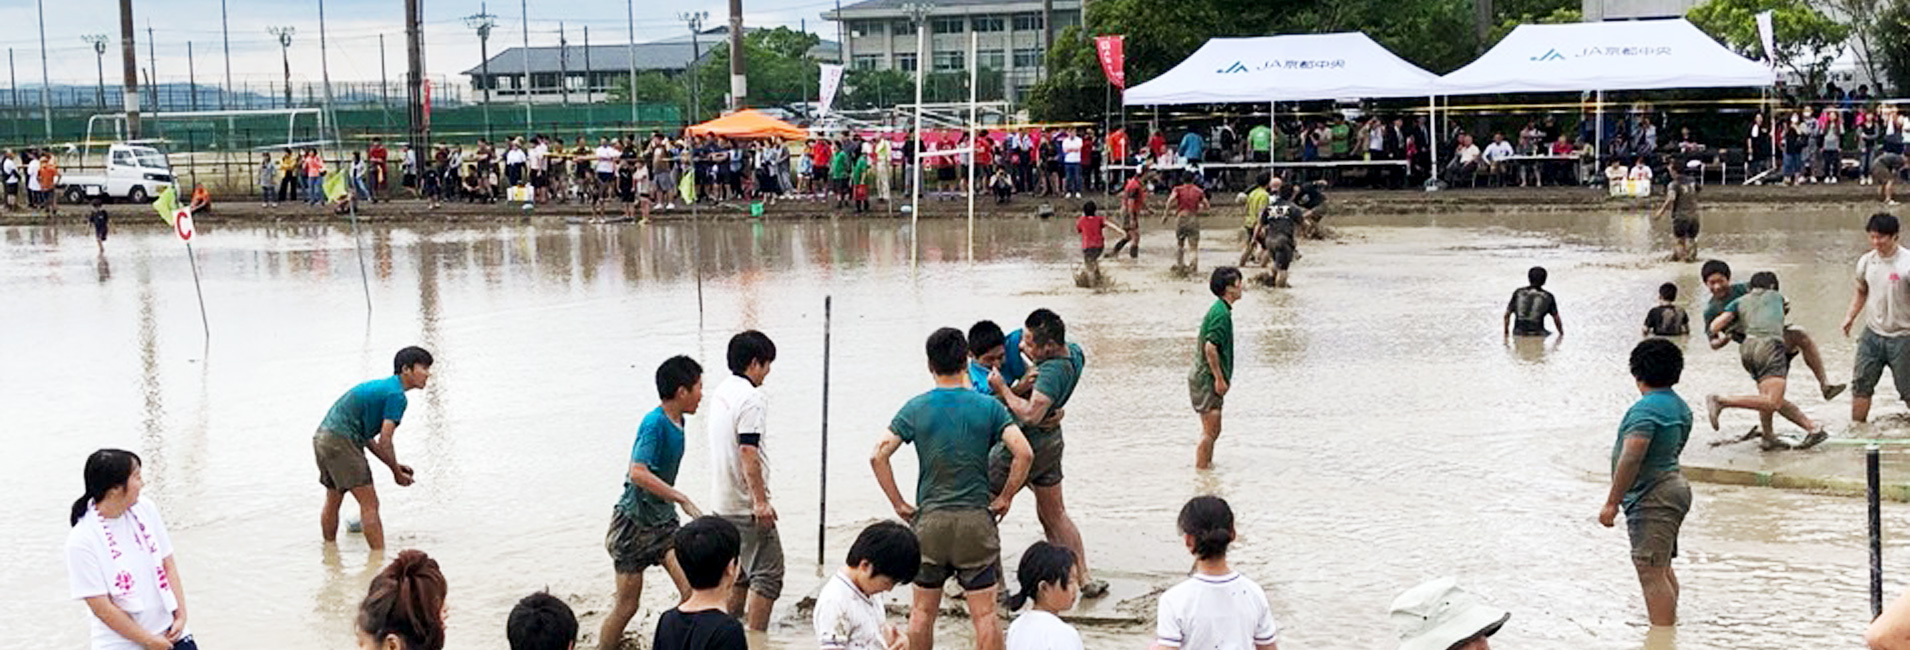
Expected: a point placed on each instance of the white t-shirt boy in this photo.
(737, 414)
(1040, 630)
(1227, 612)
(846, 618)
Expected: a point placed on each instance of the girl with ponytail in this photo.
(404, 608)
(1216, 607)
(1048, 581)
(119, 561)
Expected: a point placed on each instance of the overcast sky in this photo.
(352, 27)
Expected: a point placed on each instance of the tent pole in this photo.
(1598, 113)
(1273, 122)
(1432, 139)
(974, 41)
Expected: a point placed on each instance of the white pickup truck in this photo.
(130, 171)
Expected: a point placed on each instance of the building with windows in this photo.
(881, 36)
(588, 73)
(1596, 10)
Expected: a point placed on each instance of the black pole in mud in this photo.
(1876, 530)
(822, 508)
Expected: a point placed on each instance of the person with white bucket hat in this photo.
(1438, 615)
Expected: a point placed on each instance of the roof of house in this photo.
(940, 6)
(668, 54)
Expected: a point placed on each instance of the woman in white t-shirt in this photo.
(1047, 580)
(1216, 609)
(119, 560)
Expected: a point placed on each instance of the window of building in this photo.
(949, 61)
(902, 28)
(989, 23)
(865, 28)
(948, 25)
(992, 59)
(905, 61)
(1027, 22)
(1027, 57)
(1065, 19)
(868, 61)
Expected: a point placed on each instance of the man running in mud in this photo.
(1057, 373)
(1133, 205)
(1717, 278)
(1681, 199)
(1187, 199)
(1272, 244)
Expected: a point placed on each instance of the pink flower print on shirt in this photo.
(124, 582)
(1893, 277)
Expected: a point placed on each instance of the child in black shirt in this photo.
(707, 549)
(1667, 319)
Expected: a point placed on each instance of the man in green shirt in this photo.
(1717, 278)
(1057, 371)
(1213, 373)
(1766, 357)
(1260, 142)
(1645, 476)
(954, 515)
(840, 167)
(1257, 199)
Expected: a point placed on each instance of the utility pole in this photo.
(414, 80)
(46, 94)
(695, 20)
(152, 66)
(587, 68)
(99, 59)
(739, 81)
(1482, 21)
(128, 54)
(284, 35)
(483, 21)
(225, 38)
(1047, 33)
(325, 77)
(563, 65)
(630, 52)
(384, 83)
(192, 80)
(525, 7)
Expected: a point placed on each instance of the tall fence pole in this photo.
(822, 508)
(1871, 476)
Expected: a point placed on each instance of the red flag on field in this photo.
(1113, 59)
(427, 103)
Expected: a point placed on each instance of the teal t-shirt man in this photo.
(1761, 311)
(659, 447)
(953, 430)
(1055, 378)
(1217, 328)
(359, 415)
(1662, 417)
(1716, 307)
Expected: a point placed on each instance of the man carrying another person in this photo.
(1717, 279)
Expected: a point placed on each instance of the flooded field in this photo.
(1380, 434)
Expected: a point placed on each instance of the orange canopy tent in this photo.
(748, 124)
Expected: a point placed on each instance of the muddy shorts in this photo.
(1765, 357)
(633, 546)
(960, 544)
(1045, 471)
(1887, 167)
(1683, 228)
(1091, 255)
(1281, 248)
(1874, 353)
(761, 561)
(1201, 391)
(1653, 521)
(341, 462)
(1187, 229)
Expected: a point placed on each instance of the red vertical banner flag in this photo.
(1113, 59)
(427, 104)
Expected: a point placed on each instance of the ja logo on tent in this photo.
(1236, 68)
(1550, 55)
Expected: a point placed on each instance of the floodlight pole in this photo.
(285, 56)
(99, 52)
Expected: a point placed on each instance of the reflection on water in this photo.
(1381, 432)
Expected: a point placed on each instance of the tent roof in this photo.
(748, 124)
(1629, 55)
(1285, 68)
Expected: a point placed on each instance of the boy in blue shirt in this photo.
(644, 520)
(365, 418)
(1645, 476)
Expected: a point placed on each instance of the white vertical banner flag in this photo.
(1768, 34)
(831, 79)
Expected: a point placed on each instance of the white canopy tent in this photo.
(1293, 67)
(1629, 55)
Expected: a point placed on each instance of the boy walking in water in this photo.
(1681, 198)
(1717, 278)
(1213, 371)
(98, 220)
(1057, 371)
(953, 428)
(1525, 313)
(737, 417)
(643, 523)
(366, 418)
(1765, 357)
(1188, 200)
(1093, 240)
(1133, 205)
(1883, 288)
(1645, 476)
(1667, 319)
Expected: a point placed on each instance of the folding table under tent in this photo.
(1626, 55)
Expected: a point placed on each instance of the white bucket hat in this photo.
(1438, 615)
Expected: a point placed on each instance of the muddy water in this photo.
(1381, 433)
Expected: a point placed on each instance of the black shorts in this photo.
(606, 177)
(539, 179)
(1684, 228)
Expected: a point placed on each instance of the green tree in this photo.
(1892, 41)
(1865, 20)
(1807, 39)
(864, 89)
(652, 87)
(778, 66)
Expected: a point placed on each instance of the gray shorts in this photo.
(634, 546)
(1765, 357)
(761, 562)
(342, 465)
(960, 544)
(1200, 390)
(1653, 521)
(1874, 353)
